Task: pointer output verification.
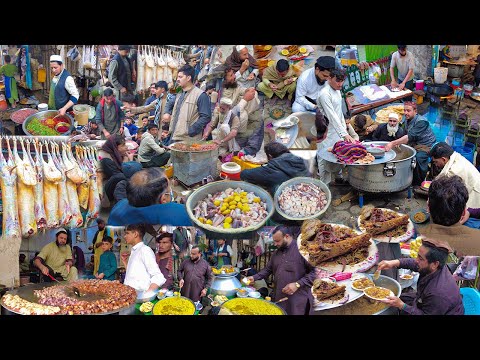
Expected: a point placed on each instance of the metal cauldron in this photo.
(42, 115)
(225, 284)
(392, 176)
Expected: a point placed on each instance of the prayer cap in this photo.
(56, 58)
(326, 62)
(60, 231)
(393, 115)
(240, 47)
(226, 101)
(439, 244)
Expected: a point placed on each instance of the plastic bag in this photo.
(374, 72)
(468, 268)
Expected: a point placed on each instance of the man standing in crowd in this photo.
(56, 259)
(437, 292)
(194, 275)
(96, 246)
(143, 273)
(63, 91)
(419, 136)
(157, 105)
(109, 115)
(192, 111)
(310, 83)
(152, 97)
(293, 275)
(150, 153)
(120, 72)
(164, 257)
(223, 253)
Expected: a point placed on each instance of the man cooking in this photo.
(419, 136)
(56, 259)
(63, 92)
(293, 275)
(194, 275)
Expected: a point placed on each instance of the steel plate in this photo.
(330, 157)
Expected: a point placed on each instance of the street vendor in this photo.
(437, 292)
(405, 63)
(194, 275)
(389, 131)
(149, 200)
(223, 253)
(451, 163)
(419, 136)
(282, 166)
(56, 259)
(278, 79)
(63, 92)
(293, 275)
(224, 126)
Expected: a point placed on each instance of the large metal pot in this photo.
(455, 70)
(392, 176)
(440, 90)
(43, 115)
(225, 284)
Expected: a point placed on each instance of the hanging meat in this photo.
(73, 171)
(93, 210)
(83, 189)
(160, 64)
(65, 212)
(77, 219)
(25, 197)
(40, 215)
(174, 65)
(8, 183)
(169, 68)
(149, 64)
(141, 71)
(50, 191)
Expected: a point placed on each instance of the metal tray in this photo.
(330, 157)
(26, 292)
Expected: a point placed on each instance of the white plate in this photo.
(358, 289)
(288, 122)
(370, 297)
(242, 296)
(350, 295)
(397, 239)
(331, 267)
(254, 294)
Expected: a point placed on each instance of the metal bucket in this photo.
(392, 176)
(225, 285)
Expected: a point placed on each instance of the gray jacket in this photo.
(148, 148)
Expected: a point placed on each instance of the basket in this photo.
(298, 180)
(440, 75)
(202, 192)
(471, 300)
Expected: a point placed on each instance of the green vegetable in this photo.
(35, 127)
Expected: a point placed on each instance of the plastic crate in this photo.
(244, 164)
(471, 300)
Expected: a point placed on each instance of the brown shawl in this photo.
(234, 61)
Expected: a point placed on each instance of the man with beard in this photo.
(246, 105)
(310, 82)
(293, 275)
(244, 66)
(56, 259)
(389, 131)
(157, 105)
(419, 136)
(120, 72)
(164, 257)
(97, 243)
(437, 292)
(194, 275)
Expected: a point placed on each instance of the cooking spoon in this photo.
(75, 289)
(376, 274)
(281, 300)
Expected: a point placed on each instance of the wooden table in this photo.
(355, 108)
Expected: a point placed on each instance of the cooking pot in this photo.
(392, 176)
(455, 70)
(225, 284)
(440, 89)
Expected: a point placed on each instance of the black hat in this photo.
(326, 62)
(124, 47)
(401, 47)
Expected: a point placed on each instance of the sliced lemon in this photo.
(284, 52)
(267, 47)
(271, 63)
(302, 50)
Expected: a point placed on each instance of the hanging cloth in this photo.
(93, 57)
(81, 60)
(28, 77)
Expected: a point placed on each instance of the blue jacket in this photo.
(132, 128)
(165, 214)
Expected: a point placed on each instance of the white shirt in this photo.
(242, 78)
(307, 85)
(225, 248)
(142, 268)
(69, 85)
(330, 104)
(403, 63)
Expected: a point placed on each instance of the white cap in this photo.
(56, 58)
(393, 115)
(240, 47)
(226, 101)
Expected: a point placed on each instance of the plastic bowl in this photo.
(254, 294)
(376, 152)
(298, 180)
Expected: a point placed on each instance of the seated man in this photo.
(282, 166)
(447, 204)
(164, 135)
(451, 163)
(419, 136)
(389, 131)
(149, 201)
(150, 154)
(92, 130)
(56, 259)
(132, 128)
(24, 265)
(364, 126)
(224, 127)
(437, 292)
(279, 79)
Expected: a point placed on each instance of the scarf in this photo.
(169, 266)
(392, 130)
(111, 148)
(234, 61)
(271, 74)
